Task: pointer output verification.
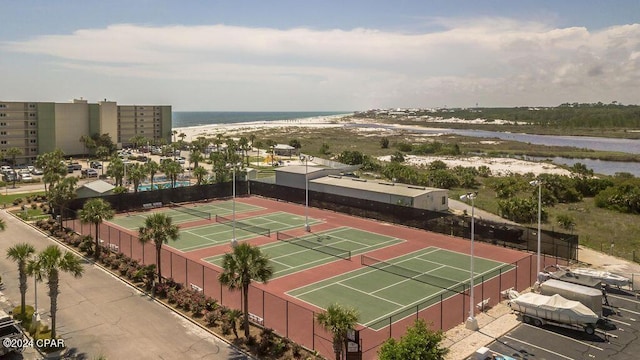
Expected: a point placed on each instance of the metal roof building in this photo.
(420, 197)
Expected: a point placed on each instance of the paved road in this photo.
(100, 315)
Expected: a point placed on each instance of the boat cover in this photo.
(554, 308)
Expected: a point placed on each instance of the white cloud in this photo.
(493, 61)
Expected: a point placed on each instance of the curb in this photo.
(136, 288)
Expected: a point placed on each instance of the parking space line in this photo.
(629, 311)
(622, 298)
(618, 321)
(564, 336)
(538, 347)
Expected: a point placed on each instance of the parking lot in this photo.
(619, 341)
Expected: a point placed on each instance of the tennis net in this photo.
(323, 248)
(244, 226)
(191, 211)
(446, 284)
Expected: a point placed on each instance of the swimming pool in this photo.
(162, 185)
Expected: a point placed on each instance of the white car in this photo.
(26, 177)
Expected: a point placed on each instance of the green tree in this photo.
(138, 141)
(200, 172)
(116, 170)
(87, 143)
(21, 254)
(419, 343)
(384, 143)
(95, 211)
(48, 265)
(566, 221)
(136, 173)
(171, 169)
(243, 144)
(324, 149)
(62, 192)
(338, 320)
(159, 229)
(295, 143)
(152, 168)
(53, 167)
(244, 265)
(3, 225)
(195, 157)
(397, 157)
(13, 152)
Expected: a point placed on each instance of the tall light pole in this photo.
(234, 241)
(538, 183)
(306, 160)
(36, 316)
(472, 322)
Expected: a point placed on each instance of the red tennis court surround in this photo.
(294, 318)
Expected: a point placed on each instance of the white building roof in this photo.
(99, 186)
(299, 169)
(284, 147)
(375, 186)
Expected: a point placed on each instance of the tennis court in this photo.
(199, 237)
(384, 289)
(293, 254)
(185, 213)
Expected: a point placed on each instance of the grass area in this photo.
(341, 139)
(597, 228)
(8, 199)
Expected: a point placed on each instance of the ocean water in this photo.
(196, 118)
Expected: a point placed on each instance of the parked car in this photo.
(95, 165)
(89, 172)
(26, 177)
(37, 171)
(142, 158)
(5, 168)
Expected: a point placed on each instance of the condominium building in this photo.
(40, 127)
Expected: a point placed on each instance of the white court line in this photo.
(405, 280)
(537, 347)
(333, 282)
(375, 296)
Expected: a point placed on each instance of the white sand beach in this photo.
(498, 166)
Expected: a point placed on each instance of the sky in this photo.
(321, 55)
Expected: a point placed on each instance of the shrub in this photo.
(211, 318)
(34, 206)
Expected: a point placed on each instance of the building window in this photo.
(32, 114)
(32, 132)
(444, 200)
(3, 124)
(32, 106)
(32, 123)
(34, 149)
(32, 141)
(3, 114)
(3, 142)
(3, 133)
(142, 132)
(3, 106)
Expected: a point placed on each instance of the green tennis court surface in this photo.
(133, 221)
(199, 237)
(379, 292)
(305, 252)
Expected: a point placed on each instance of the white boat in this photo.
(604, 276)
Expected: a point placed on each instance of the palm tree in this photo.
(136, 174)
(13, 152)
(245, 264)
(171, 169)
(20, 254)
(200, 172)
(158, 228)
(95, 211)
(338, 320)
(48, 265)
(152, 168)
(195, 157)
